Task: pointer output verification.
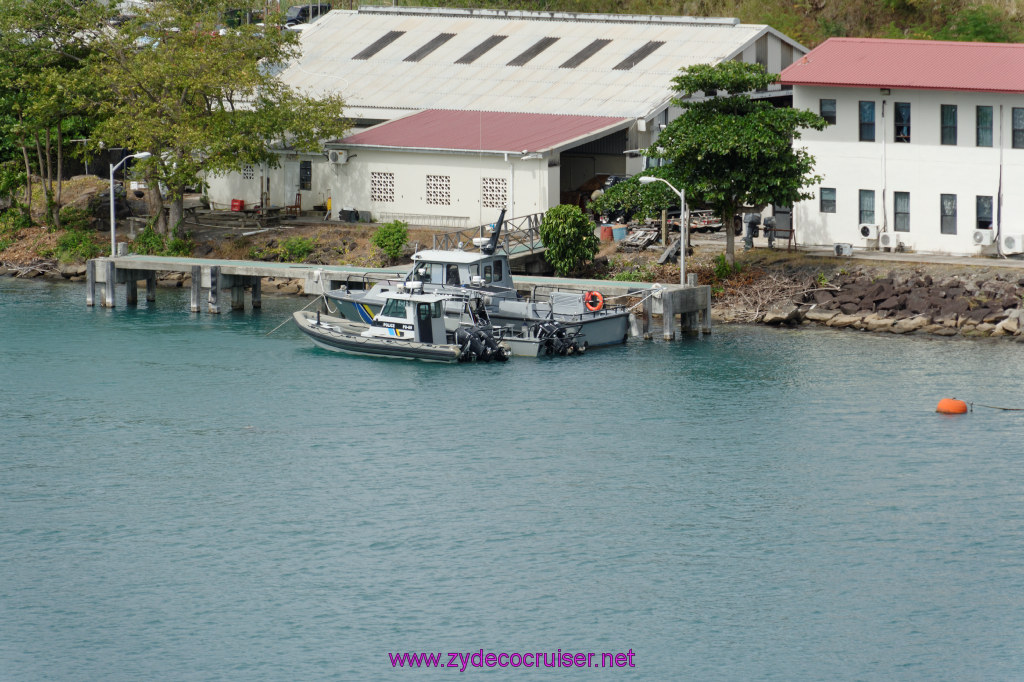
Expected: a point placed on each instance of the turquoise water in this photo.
(183, 497)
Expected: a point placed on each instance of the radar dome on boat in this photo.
(480, 241)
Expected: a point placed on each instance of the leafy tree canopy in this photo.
(202, 98)
(569, 237)
(729, 150)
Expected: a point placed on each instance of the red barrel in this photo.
(237, 204)
(606, 233)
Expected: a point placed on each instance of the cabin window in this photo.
(827, 108)
(1018, 127)
(867, 206)
(867, 121)
(305, 176)
(488, 274)
(901, 115)
(452, 276)
(948, 123)
(438, 310)
(983, 135)
(828, 199)
(395, 307)
(984, 211)
(423, 311)
(498, 274)
(901, 211)
(948, 212)
(428, 272)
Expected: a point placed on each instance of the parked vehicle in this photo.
(300, 14)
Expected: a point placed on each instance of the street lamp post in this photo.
(684, 223)
(113, 212)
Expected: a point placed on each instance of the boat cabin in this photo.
(411, 316)
(460, 269)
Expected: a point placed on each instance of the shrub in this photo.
(149, 242)
(77, 246)
(72, 218)
(569, 237)
(12, 222)
(296, 249)
(180, 246)
(391, 239)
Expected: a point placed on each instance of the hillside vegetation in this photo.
(812, 21)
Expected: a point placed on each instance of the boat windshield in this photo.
(395, 307)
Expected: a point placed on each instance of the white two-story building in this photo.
(925, 150)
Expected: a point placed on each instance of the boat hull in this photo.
(345, 336)
(603, 328)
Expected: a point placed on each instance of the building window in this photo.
(983, 206)
(439, 190)
(867, 207)
(948, 124)
(1018, 128)
(248, 172)
(948, 212)
(494, 192)
(901, 116)
(827, 109)
(382, 187)
(984, 125)
(901, 211)
(828, 199)
(305, 176)
(867, 121)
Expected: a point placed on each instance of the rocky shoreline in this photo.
(968, 304)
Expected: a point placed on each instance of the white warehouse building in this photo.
(458, 113)
(925, 150)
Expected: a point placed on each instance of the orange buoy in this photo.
(951, 406)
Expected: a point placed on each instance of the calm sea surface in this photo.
(183, 497)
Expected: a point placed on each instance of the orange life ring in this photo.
(594, 301)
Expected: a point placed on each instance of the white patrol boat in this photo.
(410, 325)
(485, 276)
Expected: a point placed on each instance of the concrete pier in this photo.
(691, 303)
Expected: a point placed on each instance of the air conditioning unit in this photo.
(1012, 243)
(888, 240)
(844, 249)
(338, 157)
(983, 238)
(869, 231)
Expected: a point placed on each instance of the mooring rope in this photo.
(300, 310)
(993, 407)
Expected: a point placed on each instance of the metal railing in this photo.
(425, 220)
(518, 236)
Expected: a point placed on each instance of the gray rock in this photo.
(910, 324)
(782, 314)
(820, 315)
(843, 320)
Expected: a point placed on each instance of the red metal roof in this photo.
(924, 64)
(483, 131)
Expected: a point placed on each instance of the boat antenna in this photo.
(488, 248)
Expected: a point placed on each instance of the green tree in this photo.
(568, 236)
(202, 100)
(44, 91)
(640, 201)
(731, 151)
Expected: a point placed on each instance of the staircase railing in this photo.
(519, 235)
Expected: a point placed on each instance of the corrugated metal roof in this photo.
(336, 59)
(485, 131)
(925, 64)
